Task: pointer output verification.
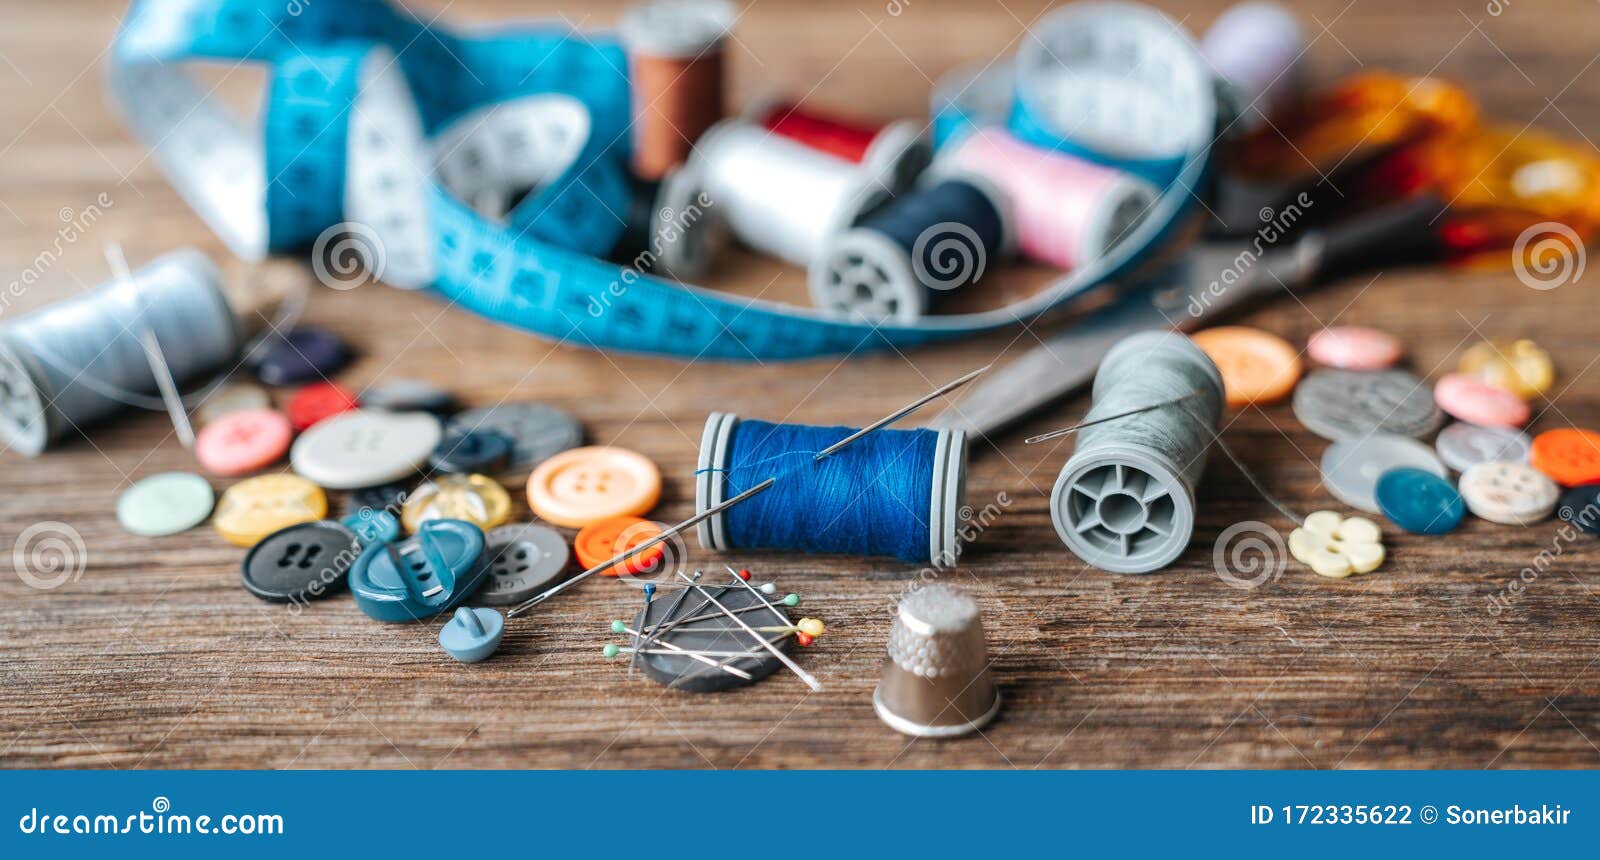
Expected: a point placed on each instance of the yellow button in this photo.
(252, 509)
(1520, 367)
(474, 498)
(586, 485)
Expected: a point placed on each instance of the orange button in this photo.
(612, 537)
(1256, 367)
(1569, 456)
(587, 485)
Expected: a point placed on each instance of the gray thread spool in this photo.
(1124, 502)
(80, 361)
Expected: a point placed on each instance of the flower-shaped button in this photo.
(1336, 546)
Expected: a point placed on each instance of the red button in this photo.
(317, 402)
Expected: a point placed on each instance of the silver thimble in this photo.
(937, 682)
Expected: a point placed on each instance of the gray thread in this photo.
(1125, 499)
(84, 357)
(1159, 453)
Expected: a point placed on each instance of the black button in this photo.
(301, 563)
(1581, 507)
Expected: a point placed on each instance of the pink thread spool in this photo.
(1068, 211)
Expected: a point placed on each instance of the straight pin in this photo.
(805, 632)
(812, 627)
(783, 658)
(614, 650)
(622, 627)
(710, 615)
(649, 594)
(744, 581)
(677, 602)
(695, 673)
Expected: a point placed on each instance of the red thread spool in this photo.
(847, 140)
(897, 151)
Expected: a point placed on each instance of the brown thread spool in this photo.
(675, 63)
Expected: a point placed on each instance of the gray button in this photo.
(1348, 404)
(524, 559)
(1351, 469)
(1462, 446)
(537, 431)
(407, 395)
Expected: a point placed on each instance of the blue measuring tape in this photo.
(357, 91)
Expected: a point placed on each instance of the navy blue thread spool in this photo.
(896, 262)
(736, 453)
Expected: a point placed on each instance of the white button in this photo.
(363, 449)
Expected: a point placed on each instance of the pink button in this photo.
(1354, 347)
(242, 442)
(1477, 402)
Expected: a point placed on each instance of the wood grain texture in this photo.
(155, 657)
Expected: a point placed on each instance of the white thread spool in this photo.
(780, 196)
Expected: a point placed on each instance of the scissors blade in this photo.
(1188, 295)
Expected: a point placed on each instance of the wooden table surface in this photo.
(154, 656)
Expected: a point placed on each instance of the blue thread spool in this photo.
(891, 493)
(900, 259)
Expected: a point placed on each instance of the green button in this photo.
(165, 504)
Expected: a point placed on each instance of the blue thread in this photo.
(870, 498)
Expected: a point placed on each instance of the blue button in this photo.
(373, 526)
(470, 452)
(1420, 502)
(428, 573)
(473, 634)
